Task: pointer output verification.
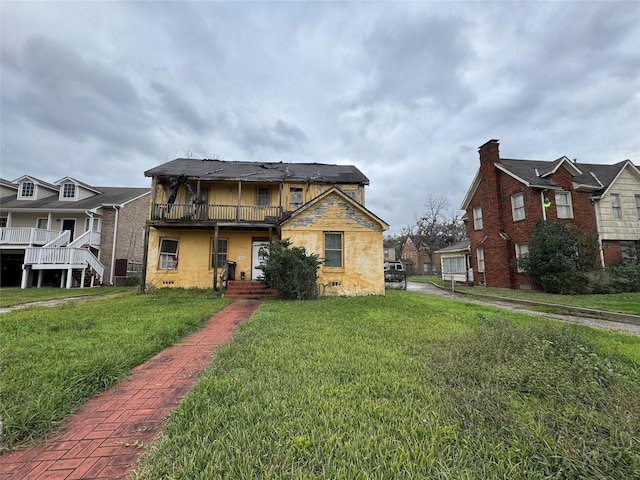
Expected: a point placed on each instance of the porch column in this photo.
(25, 277)
(84, 271)
(62, 273)
(215, 257)
(69, 277)
(239, 200)
(40, 274)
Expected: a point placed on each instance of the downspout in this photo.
(544, 210)
(113, 247)
(596, 206)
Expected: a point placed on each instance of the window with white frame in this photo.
(638, 206)
(222, 252)
(42, 223)
(168, 254)
(69, 190)
(453, 264)
(295, 199)
(333, 249)
(477, 218)
(563, 205)
(522, 249)
(4, 221)
(517, 207)
(616, 210)
(27, 190)
(480, 259)
(95, 225)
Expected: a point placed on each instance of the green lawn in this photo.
(408, 386)
(53, 358)
(620, 302)
(16, 296)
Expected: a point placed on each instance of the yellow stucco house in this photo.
(211, 218)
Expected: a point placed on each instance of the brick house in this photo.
(416, 257)
(507, 197)
(69, 233)
(214, 218)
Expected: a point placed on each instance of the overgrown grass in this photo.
(53, 358)
(407, 386)
(16, 296)
(617, 302)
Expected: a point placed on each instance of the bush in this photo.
(626, 277)
(291, 271)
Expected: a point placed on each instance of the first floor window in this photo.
(333, 250)
(296, 198)
(629, 252)
(563, 205)
(222, 253)
(94, 226)
(454, 265)
(522, 249)
(480, 259)
(477, 218)
(168, 254)
(42, 223)
(517, 207)
(615, 206)
(4, 221)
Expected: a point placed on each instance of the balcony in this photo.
(191, 213)
(25, 236)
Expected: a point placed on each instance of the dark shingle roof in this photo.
(109, 196)
(258, 172)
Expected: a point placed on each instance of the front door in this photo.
(258, 251)
(69, 224)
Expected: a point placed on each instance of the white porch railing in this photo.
(60, 241)
(87, 238)
(66, 257)
(26, 236)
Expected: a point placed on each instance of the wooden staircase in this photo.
(248, 289)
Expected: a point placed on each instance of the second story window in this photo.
(69, 190)
(477, 218)
(263, 196)
(563, 205)
(295, 198)
(638, 206)
(42, 223)
(517, 207)
(616, 211)
(28, 190)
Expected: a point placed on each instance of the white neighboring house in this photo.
(455, 262)
(69, 234)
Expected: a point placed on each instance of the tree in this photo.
(291, 271)
(436, 228)
(559, 257)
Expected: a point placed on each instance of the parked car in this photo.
(393, 267)
(394, 272)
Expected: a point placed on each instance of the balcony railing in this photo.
(26, 236)
(220, 213)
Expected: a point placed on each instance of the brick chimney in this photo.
(489, 152)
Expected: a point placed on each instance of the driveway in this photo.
(430, 289)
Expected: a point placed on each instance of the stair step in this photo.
(248, 289)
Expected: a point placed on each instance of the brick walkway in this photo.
(105, 438)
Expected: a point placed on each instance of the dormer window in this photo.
(27, 190)
(69, 190)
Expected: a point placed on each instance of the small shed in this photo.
(455, 262)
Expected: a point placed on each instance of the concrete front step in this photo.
(248, 289)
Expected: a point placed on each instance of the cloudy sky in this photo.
(406, 91)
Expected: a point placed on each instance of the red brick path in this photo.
(105, 437)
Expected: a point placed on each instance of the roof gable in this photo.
(300, 214)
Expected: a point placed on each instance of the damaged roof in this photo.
(220, 170)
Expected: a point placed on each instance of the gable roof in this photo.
(109, 196)
(347, 199)
(77, 182)
(461, 246)
(258, 172)
(37, 181)
(535, 174)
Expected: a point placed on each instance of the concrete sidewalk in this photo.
(105, 437)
